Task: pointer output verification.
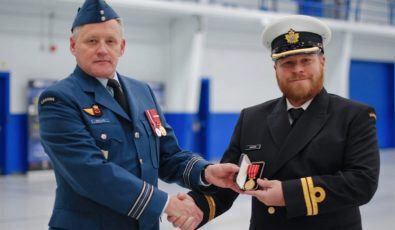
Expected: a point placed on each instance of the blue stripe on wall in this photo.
(182, 124)
(220, 129)
(311, 7)
(16, 147)
(220, 132)
(4, 113)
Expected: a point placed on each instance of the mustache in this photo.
(299, 77)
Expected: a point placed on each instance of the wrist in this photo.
(203, 175)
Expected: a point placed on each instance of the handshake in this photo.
(182, 211)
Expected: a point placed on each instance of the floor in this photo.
(26, 202)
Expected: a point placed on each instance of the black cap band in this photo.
(296, 40)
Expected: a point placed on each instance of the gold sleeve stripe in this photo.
(313, 195)
(317, 195)
(306, 194)
(212, 207)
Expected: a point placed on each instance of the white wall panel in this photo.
(24, 48)
(166, 47)
(240, 78)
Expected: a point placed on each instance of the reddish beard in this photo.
(302, 94)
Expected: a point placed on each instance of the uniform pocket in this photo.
(108, 138)
(153, 141)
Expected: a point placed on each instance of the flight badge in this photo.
(154, 120)
(94, 111)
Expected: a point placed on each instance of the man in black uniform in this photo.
(320, 150)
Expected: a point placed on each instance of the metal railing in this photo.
(367, 11)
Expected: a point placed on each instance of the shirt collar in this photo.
(104, 81)
(304, 106)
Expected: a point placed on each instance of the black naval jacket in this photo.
(328, 163)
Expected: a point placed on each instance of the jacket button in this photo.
(137, 135)
(141, 161)
(271, 210)
(103, 136)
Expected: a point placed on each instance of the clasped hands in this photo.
(183, 213)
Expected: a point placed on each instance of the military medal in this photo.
(155, 122)
(158, 132)
(252, 170)
(249, 171)
(163, 130)
(249, 185)
(158, 124)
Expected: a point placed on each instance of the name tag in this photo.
(100, 121)
(253, 147)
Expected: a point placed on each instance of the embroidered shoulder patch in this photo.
(47, 100)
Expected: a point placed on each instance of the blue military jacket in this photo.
(107, 163)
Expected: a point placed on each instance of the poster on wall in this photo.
(37, 158)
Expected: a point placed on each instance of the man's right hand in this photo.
(183, 213)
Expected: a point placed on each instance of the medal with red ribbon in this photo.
(252, 171)
(154, 120)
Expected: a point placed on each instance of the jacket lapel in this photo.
(89, 84)
(310, 123)
(278, 123)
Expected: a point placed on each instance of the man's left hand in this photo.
(221, 175)
(270, 192)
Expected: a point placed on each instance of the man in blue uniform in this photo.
(109, 142)
(320, 152)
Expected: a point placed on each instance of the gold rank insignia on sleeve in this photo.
(312, 196)
(292, 37)
(212, 207)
